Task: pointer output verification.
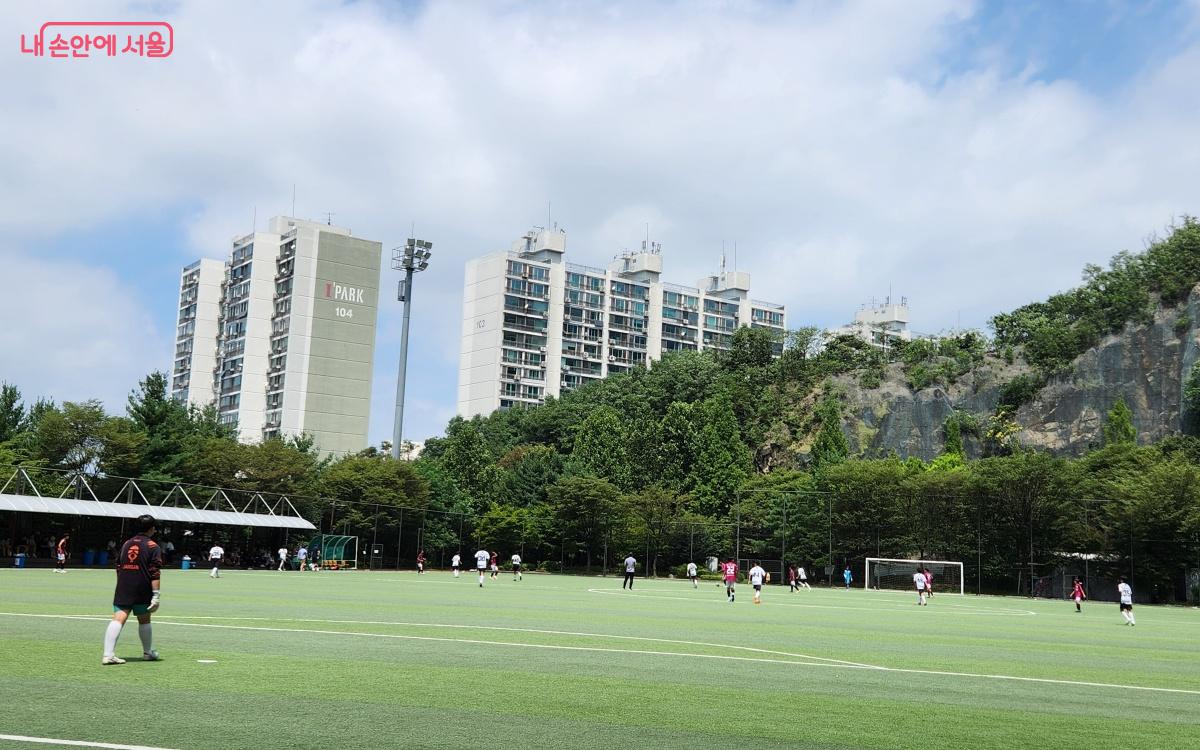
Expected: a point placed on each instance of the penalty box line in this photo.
(644, 652)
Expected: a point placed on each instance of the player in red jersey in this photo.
(1078, 595)
(420, 561)
(138, 567)
(729, 570)
(60, 554)
(494, 563)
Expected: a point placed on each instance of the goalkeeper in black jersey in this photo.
(138, 568)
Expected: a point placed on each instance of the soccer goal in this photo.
(885, 573)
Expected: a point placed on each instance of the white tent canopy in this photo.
(73, 507)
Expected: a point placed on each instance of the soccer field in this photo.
(387, 660)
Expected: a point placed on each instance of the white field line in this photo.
(971, 611)
(749, 649)
(802, 661)
(74, 743)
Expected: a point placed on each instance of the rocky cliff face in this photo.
(1145, 364)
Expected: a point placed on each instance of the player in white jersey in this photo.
(455, 562)
(803, 578)
(1126, 601)
(920, 582)
(757, 577)
(693, 574)
(214, 557)
(481, 563)
(516, 563)
(282, 557)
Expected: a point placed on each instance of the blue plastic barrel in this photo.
(102, 558)
(89, 556)
(20, 560)
(187, 564)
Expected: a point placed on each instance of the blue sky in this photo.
(969, 156)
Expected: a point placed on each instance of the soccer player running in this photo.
(214, 557)
(921, 583)
(928, 583)
(803, 577)
(455, 562)
(516, 563)
(282, 557)
(60, 554)
(730, 569)
(792, 586)
(757, 576)
(494, 564)
(1077, 594)
(1126, 593)
(420, 562)
(693, 575)
(630, 567)
(138, 567)
(481, 561)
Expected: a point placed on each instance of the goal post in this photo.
(895, 574)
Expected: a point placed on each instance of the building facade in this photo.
(881, 326)
(196, 332)
(536, 326)
(293, 343)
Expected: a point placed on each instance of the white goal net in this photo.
(895, 574)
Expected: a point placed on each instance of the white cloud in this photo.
(74, 331)
(840, 145)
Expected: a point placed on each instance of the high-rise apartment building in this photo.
(196, 333)
(291, 347)
(536, 326)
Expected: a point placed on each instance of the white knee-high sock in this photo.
(147, 638)
(110, 637)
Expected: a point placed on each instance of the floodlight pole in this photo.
(412, 258)
(398, 425)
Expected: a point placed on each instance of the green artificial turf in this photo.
(364, 660)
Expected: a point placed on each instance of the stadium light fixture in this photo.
(412, 258)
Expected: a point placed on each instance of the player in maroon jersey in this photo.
(60, 554)
(1078, 595)
(729, 570)
(420, 561)
(138, 567)
(495, 565)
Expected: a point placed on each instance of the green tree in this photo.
(600, 448)
(72, 437)
(676, 447)
(722, 461)
(12, 412)
(830, 446)
(1118, 426)
(655, 513)
(587, 509)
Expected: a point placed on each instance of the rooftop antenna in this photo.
(254, 221)
(734, 256)
(548, 222)
(329, 218)
(293, 200)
